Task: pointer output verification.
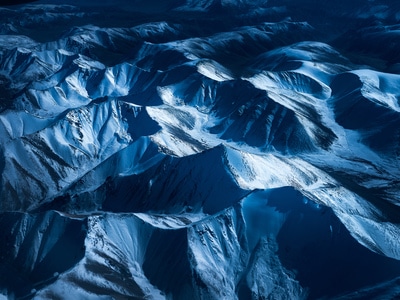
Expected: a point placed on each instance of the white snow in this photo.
(213, 71)
(381, 88)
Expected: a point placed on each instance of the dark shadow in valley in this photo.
(316, 245)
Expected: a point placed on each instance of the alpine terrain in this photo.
(213, 149)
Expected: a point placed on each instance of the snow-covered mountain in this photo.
(199, 149)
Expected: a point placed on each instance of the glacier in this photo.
(199, 149)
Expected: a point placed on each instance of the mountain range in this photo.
(200, 150)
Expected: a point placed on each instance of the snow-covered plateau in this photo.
(200, 150)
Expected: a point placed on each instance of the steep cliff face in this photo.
(204, 150)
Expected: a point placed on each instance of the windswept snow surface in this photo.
(200, 150)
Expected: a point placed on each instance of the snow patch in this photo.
(213, 71)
